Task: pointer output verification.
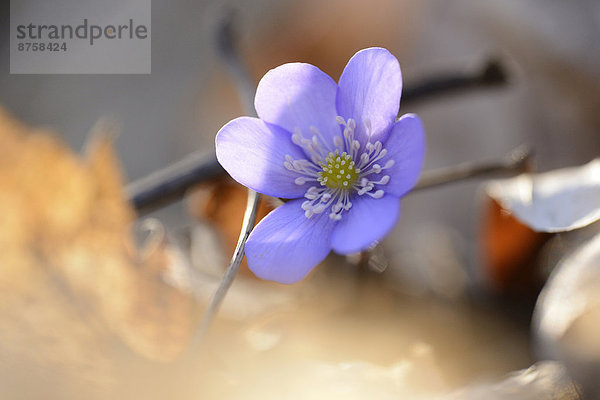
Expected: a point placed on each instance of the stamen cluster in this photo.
(341, 171)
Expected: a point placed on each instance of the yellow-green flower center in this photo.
(338, 171)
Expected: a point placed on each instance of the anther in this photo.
(338, 141)
(367, 123)
(297, 139)
(377, 195)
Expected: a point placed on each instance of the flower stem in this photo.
(245, 85)
(234, 266)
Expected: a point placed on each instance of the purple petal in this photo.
(253, 153)
(370, 88)
(299, 95)
(286, 245)
(367, 221)
(406, 146)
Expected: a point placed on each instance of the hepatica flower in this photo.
(336, 150)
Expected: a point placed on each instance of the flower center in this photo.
(339, 178)
(338, 171)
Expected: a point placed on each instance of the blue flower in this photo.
(336, 150)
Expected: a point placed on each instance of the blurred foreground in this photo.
(86, 314)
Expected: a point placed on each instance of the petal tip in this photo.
(285, 246)
(371, 221)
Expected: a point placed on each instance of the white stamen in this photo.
(335, 217)
(377, 195)
(364, 190)
(297, 139)
(351, 124)
(338, 142)
(319, 208)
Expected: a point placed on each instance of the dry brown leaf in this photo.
(71, 278)
(555, 201)
(509, 250)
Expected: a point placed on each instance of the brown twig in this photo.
(515, 162)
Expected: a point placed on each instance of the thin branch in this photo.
(239, 72)
(170, 184)
(491, 74)
(515, 162)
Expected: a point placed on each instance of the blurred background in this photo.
(548, 47)
(441, 317)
